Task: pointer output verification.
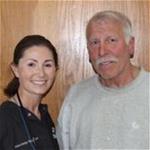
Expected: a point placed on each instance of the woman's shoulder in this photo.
(6, 105)
(7, 108)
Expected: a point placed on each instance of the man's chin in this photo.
(106, 75)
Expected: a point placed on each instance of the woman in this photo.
(25, 123)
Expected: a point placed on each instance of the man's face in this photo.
(108, 51)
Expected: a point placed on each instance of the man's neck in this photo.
(121, 80)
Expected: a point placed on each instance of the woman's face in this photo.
(36, 71)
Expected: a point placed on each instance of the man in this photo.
(111, 109)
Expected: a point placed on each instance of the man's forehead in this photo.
(106, 21)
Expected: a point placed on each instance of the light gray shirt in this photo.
(97, 117)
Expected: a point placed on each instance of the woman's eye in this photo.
(31, 64)
(48, 65)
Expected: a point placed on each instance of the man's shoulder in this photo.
(145, 71)
(145, 74)
(85, 88)
(86, 82)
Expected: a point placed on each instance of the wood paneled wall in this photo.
(63, 23)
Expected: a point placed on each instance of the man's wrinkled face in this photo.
(108, 51)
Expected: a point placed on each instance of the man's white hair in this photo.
(114, 16)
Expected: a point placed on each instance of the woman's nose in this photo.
(41, 71)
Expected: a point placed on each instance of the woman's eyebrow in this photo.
(35, 60)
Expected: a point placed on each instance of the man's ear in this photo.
(131, 47)
(14, 69)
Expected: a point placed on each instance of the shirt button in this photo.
(29, 115)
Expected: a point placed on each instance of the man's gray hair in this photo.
(115, 16)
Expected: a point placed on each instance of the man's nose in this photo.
(102, 49)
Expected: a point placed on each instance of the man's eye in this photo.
(111, 40)
(94, 42)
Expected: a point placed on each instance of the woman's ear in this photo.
(14, 69)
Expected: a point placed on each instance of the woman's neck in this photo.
(30, 103)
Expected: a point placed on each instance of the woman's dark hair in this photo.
(25, 43)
